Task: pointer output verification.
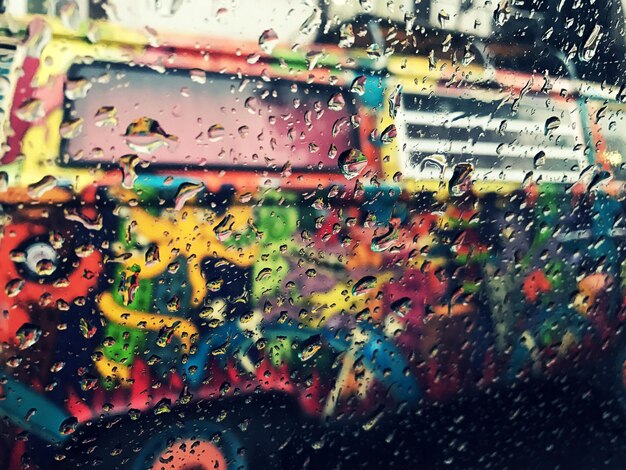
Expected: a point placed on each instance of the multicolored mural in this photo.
(148, 264)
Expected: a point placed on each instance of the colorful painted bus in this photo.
(200, 239)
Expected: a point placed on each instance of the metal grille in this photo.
(503, 140)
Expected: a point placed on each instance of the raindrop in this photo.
(45, 184)
(88, 383)
(385, 241)
(540, 159)
(310, 348)
(332, 151)
(252, 105)
(27, 335)
(461, 180)
(39, 35)
(185, 192)
(106, 116)
(87, 330)
(14, 287)
(268, 41)
(598, 178)
(401, 306)
(336, 102)
(224, 229)
(590, 46)
(468, 56)
(443, 17)
(14, 361)
(311, 24)
(447, 42)
(145, 135)
(263, 274)
(197, 76)
(436, 160)
(166, 333)
(394, 101)
(502, 13)
(152, 255)
(31, 110)
(552, 123)
(364, 285)
(346, 35)
(68, 426)
(358, 85)
(351, 163)
(432, 60)
(75, 89)
(389, 134)
(128, 164)
(71, 129)
(216, 132)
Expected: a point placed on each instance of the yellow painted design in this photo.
(191, 235)
(117, 313)
(115, 370)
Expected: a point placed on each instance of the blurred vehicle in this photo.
(201, 241)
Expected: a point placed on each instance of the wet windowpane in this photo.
(312, 234)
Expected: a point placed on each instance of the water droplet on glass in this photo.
(252, 105)
(166, 334)
(346, 35)
(364, 285)
(268, 41)
(264, 274)
(502, 12)
(311, 24)
(27, 335)
(68, 426)
(14, 287)
(185, 192)
(14, 361)
(394, 101)
(443, 17)
(310, 348)
(31, 110)
(539, 159)
(88, 383)
(468, 56)
(436, 161)
(198, 76)
(373, 51)
(401, 306)
(332, 151)
(336, 102)
(86, 329)
(590, 46)
(42, 186)
(351, 163)
(71, 129)
(75, 89)
(385, 241)
(358, 85)
(216, 132)
(152, 255)
(598, 178)
(39, 35)
(224, 229)
(552, 123)
(461, 180)
(106, 116)
(389, 134)
(145, 135)
(128, 164)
